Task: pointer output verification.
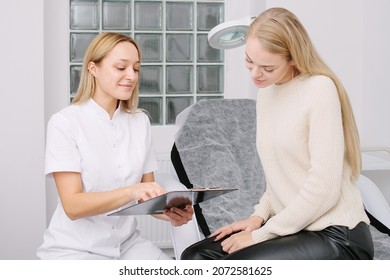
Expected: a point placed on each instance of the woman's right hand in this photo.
(144, 191)
(249, 224)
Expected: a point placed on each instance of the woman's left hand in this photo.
(179, 216)
(237, 241)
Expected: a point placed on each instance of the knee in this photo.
(205, 249)
(190, 254)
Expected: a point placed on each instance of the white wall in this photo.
(22, 191)
(56, 75)
(375, 74)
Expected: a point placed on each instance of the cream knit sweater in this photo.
(301, 146)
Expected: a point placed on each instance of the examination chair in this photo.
(378, 211)
(376, 206)
(215, 146)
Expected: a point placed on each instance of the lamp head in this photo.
(230, 34)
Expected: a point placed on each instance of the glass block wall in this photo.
(178, 65)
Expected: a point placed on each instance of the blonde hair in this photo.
(281, 32)
(97, 50)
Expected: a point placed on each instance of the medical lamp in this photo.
(230, 34)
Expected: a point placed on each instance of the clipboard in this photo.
(180, 199)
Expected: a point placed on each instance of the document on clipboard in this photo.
(179, 199)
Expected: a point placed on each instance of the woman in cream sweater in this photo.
(309, 147)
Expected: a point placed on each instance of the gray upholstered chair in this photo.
(215, 146)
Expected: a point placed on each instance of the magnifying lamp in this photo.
(230, 34)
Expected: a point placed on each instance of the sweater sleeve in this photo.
(263, 209)
(322, 186)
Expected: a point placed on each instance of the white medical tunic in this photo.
(108, 153)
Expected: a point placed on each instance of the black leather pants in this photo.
(332, 243)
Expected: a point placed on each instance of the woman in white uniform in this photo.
(99, 151)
